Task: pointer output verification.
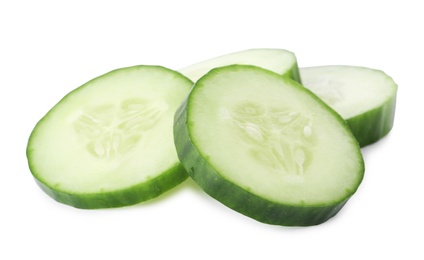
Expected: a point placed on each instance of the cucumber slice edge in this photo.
(372, 122)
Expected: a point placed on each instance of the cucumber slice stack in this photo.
(267, 147)
(364, 97)
(247, 132)
(109, 143)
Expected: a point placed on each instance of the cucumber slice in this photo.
(365, 98)
(267, 147)
(109, 143)
(279, 61)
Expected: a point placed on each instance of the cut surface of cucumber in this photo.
(365, 98)
(279, 61)
(266, 147)
(109, 143)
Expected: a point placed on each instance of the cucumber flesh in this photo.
(279, 61)
(365, 98)
(267, 147)
(109, 143)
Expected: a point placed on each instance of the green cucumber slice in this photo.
(267, 147)
(279, 61)
(109, 143)
(364, 97)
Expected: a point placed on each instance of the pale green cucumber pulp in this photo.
(109, 143)
(279, 61)
(267, 147)
(364, 97)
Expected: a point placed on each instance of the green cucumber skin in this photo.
(236, 198)
(130, 196)
(373, 125)
(293, 74)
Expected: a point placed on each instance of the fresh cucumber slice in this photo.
(267, 147)
(365, 98)
(279, 61)
(109, 143)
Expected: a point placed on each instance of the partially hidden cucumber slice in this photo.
(267, 147)
(109, 143)
(279, 61)
(364, 97)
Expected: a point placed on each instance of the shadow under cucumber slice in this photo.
(267, 147)
(109, 143)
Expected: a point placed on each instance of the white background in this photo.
(48, 48)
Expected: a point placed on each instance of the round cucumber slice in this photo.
(279, 61)
(365, 98)
(109, 143)
(267, 147)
